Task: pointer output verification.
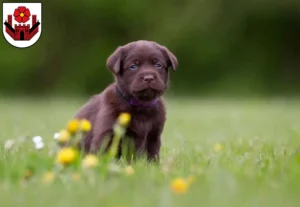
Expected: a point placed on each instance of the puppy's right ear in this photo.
(114, 61)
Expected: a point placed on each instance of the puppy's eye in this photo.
(158, 65)
(133, 67)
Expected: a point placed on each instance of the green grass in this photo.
(257, 166)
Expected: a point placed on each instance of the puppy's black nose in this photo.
(148, 78)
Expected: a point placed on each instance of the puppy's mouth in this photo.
(146, 95)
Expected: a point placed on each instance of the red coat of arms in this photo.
(22, 23)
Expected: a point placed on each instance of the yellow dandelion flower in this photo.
(66, 156)
(48, 177)
(75, 176)
(129, 170)
(124, 119)
(64, 136)
(90, 161)
(218, 147)
(179, 185)
(73, 126)
(85, 125)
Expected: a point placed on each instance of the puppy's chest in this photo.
(140, 126)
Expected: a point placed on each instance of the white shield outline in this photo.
(8, 8)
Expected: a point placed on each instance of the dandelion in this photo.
(129, 170)
(119, 130)
(9, 144)
(90, 161)
(85, 125)
(66, 156)
(48, 177)
(124, 119)
(37, 139)
(179, 185)
(73, 126)
(64, 137)
(218, 147)
(118, 133)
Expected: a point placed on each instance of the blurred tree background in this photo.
(223, 46)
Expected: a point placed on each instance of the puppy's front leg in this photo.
(154, 141)
(101, 140)
(153, 148)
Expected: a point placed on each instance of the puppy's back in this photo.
(90, 109)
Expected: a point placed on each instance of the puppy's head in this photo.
(141, 69)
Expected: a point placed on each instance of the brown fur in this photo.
(132, 65)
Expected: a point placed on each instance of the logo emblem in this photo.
(22, 23)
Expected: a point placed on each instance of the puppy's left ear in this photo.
(171, 58)
(113, 62)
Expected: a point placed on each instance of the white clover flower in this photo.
(37, 139)
(39, 145)
(9, 144)
(56, 135)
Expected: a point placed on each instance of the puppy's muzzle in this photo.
(148, 78)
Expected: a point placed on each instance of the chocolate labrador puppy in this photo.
(141, 77)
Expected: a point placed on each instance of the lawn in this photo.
(242, 153)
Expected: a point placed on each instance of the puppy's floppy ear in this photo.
(113, 62)
(171, 58)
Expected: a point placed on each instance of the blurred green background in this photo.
(229, 47)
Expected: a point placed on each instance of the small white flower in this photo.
(39, 145)
(37, 139)
(9, 144)
(56, 135)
